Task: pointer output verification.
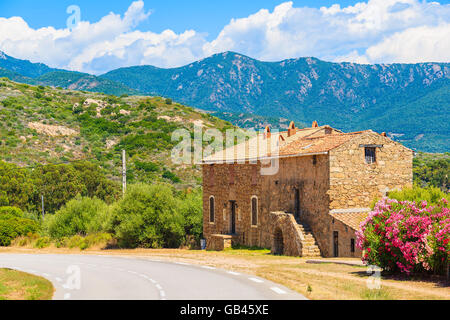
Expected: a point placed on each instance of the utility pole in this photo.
(43, 212)
(124, 172)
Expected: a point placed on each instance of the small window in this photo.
(352, 245)
(314, 160)
(254, 211)
(211, 209)
(370, 155)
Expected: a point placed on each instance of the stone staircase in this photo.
(309, 244)
(291, 237)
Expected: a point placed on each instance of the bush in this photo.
(191, 208)
(14, 227)
(148, 217)
(431, 195)
(79, 216)
(9, 212)
(43, 242)
(407, 237)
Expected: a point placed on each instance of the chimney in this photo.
(292, 129)
(267, 132)
(315, 124)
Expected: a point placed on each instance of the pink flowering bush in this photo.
(407, 237)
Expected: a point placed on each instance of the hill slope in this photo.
(41, 125)
(401, 99)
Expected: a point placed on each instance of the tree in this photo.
(148, 217)
(16, 187)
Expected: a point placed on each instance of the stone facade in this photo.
(302, 207)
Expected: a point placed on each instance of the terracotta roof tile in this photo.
(351, 219)
(304, 141)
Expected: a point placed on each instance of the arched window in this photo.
(254, 207)
(211, 209)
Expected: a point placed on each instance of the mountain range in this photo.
(411, 102)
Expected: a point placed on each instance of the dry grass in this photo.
(326, 281)
(16, 285)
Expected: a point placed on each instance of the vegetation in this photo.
(80, 216)
(43, 125)
(13, 224)
(405, 236)
(417, 194)
(154, 216)
(432, 170)
(16, 285)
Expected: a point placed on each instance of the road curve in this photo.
(92, 277)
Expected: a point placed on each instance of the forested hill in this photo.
(42, 125)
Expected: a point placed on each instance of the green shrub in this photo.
(171, 176)
(10, 212)
(14, 227)
(431, 195)
(43, 242)
(191, 208)
(79, 216)
(148, 217)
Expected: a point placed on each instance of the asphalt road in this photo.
(91, 277)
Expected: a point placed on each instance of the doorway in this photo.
(336, 243)
(297, 203)
(278, 244)
(233, 217)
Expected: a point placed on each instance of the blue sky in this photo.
(173, 33)
(202, 15)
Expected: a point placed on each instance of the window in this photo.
(370, 154)
(254, 211)
(352, 245)
(314, 160)
(211, 209)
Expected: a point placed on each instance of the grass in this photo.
(16, 285)
(328, 281)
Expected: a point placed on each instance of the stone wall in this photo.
(286, 239)
(239, 183)
(312, 180)
(218, 242)
(345, 234)
(355, 184)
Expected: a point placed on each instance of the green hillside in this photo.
(41, 125)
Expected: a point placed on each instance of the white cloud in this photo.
(368, 32)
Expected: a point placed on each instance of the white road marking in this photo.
(152, 281)
(58, 279)
(159, 287)
(46, 275)
(132, 272)
(162, 293)
(67, 296)
(256, 280)
(182, 263)
(278, 290)
(233, 273)
(208, 267)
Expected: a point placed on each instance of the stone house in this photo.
(313, 203)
